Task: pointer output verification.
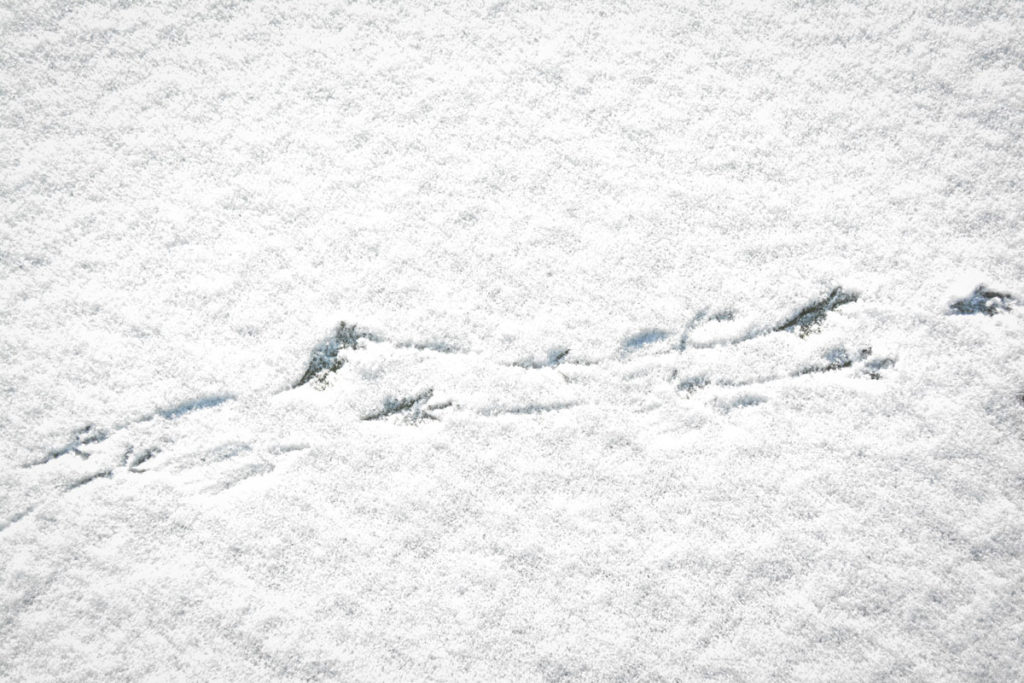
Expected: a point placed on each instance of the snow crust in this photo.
(602, 415)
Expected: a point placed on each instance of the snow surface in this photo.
(596, 418)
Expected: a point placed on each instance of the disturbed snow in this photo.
(514, 341)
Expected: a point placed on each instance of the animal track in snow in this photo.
(810, 317)
(119, 447)
(105, 474)
(644, 338)
(808, 320)
(90, 435)
(325, 357)
(360, 365)
(552, 358)
(983, 300)
(412, 409)
(477, 384)
(331, 355)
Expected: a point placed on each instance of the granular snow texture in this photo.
(526, 341)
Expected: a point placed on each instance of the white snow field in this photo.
(603, 341)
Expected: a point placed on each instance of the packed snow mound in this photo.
(511, 341)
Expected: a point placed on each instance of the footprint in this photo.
(325, 359)
(983, 300)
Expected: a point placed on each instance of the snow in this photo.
(578, 433)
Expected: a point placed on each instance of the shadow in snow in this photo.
(531, 409)
(81, 437)
(189, 406)
(643, 338)
(106, 474)
(16, 518)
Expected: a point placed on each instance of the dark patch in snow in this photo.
(530, 409)
(106, 474)
(741, 401)
(838, 358)
(248, 472)
(554, 357)
(810, 317)
(643, 338)
(874, 366)
(17, 517)
(90, 434)
(227, 450)
(702, 316)
(189, 406)
(835, 359)
(325, 359)
(411, 407)
(691, 385)
(141, 458)
(983, 300)
(695, 321)
(439, 347)
(723, 315)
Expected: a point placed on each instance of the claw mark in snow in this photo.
(835, 359)
(90, 434)
(439, 347)
(554, 357)
(189, 406)
(746, 400)
(16, 518)
(695, 321)
(85, 435)
(142, 457)
(106, 474)
(412, 405)
(692, 384)
(530, 409)
(253, 470)
(810, 317)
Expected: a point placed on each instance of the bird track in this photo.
(557, 367)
